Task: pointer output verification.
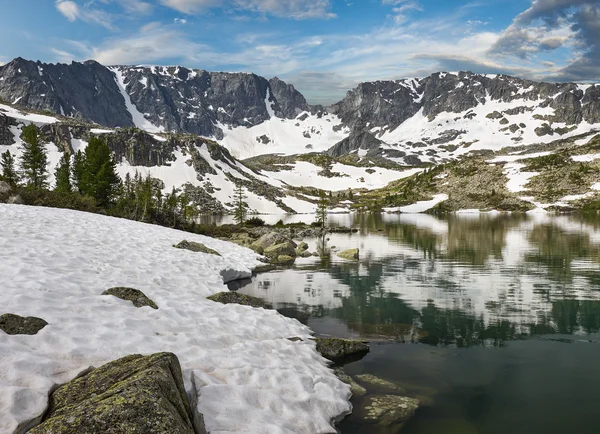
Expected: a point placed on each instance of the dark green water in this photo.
(492, 321)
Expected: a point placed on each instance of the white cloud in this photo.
(69, 9)
(294, 9)
(73, 12)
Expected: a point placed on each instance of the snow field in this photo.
(55, 265)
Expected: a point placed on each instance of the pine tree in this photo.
(97, 177)
(63, 174)
(9, 173)
(78, 170)
(240, 211)
(322, 210)
(33, 158)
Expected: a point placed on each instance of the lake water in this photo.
(491, 320)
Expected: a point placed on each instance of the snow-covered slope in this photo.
(248, 376)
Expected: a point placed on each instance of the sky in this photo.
(323, 47)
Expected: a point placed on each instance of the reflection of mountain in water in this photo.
(466, 280)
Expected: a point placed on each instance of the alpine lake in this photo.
(490, 320)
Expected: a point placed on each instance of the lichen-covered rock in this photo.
(285, 259)
(137, 297)
(302, 246)
(237, 298)
(5, 188)
(351, 254)
(283, 249)
(388, 410)
(135, 394)
(20, 325)
(16, 200)
(380, 382)
(196, 247)
(357, 389)
(306, 254)
(339, 350)
(270, 239)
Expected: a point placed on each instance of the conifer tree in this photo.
(78, 170)
(240, 211)
(33, 158)
(9, 172)
(322, 210)
(97, 177)
(63, 174)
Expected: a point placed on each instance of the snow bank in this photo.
(55, 264)
(419, 207)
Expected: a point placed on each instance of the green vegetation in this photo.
(63, 175)
(9, 172)
(239, 214)
(321, 218)
(34, 159)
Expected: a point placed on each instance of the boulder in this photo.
(388, 410)
(302, 246)
(268, 240)
(357, 389)
(285, 249)
(19, 325)
(135, 394)
(137, 297)
(380, 382)
(5, 187)
(231, 274)
(306, 254)
(196, 247)
(285, 259)
(264, 268)
(351, 254)
(237, 298)
(16, 200)
(341, 350)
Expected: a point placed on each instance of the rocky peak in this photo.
(291, 102)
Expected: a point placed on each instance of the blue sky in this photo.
(323, 47)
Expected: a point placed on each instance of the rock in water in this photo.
(284, 249)
(234, 297)
(196, 247)
(268, 240)
(351, 254)
(357, 389)
(137, 297)
(389, 409)
(380, 382)
(340, 350)
(135, 394)
(19, 325)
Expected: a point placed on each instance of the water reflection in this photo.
(465, 280)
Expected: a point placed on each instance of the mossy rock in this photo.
(341, 350)
(264, 268)
(277, 250)
(20, 325)
(196, 247)
(386, 410)
(351, 254)
(380, 382)
(237, 298)
(357, 389)
(302, 246)
(285, 259)
(135, 394)
(137, 297)
(268, 240)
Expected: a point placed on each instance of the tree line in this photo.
(90, 176)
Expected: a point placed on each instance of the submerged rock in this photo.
(389, 409)
(137, 297)
(380, 382)
(341, 350)
(196, 247)
(135, 394)
(20, 325)
(237, 298)
(357, 389)
(351, 254)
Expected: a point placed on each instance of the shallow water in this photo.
(491, 321)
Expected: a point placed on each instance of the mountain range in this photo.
(207, 131)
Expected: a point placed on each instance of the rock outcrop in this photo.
(137, 297)
(19, 325)
(135, 394)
